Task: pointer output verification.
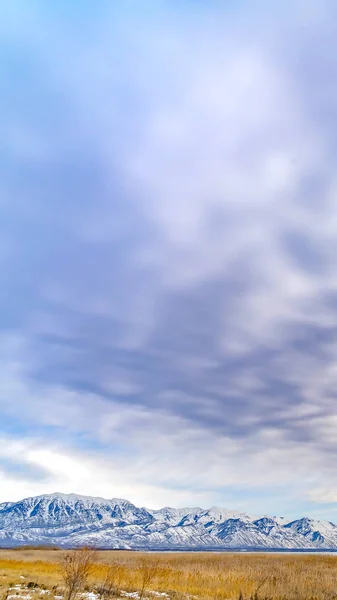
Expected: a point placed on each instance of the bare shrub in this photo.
(148, 570)
(75, 570)
(110, 584)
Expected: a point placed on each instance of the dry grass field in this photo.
(175, 575)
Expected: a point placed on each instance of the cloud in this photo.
(72, 440)
(168, 251)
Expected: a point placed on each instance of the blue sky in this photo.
(168, 221)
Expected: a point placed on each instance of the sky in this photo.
(168, 252)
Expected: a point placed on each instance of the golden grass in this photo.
(216, 576)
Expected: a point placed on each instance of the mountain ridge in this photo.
(69, 520)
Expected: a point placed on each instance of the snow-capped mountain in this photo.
(71, 520)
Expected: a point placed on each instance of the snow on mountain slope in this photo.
(173, 516)
(71, 520)
(322, 533)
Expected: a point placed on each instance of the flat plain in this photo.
(35, 574)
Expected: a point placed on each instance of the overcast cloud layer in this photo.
(168, 252)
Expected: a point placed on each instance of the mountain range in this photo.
(73, 520)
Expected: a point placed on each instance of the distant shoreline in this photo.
(179, 550)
